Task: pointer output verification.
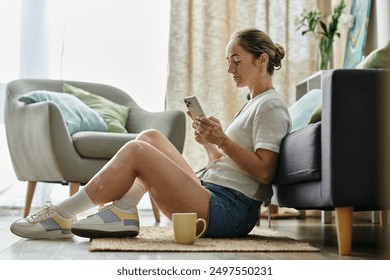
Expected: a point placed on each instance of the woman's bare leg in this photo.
(160, 142)
(168, 177)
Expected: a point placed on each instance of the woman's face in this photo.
(242, 65)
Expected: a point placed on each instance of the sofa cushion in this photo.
(115, 115)
(301, 111)
(379, 58)
(300, 156)
(99, 144)
(77, 115)
(316, 115)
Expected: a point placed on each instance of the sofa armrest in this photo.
(350, 137)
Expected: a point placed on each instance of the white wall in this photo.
(2, 98)
(382, 22)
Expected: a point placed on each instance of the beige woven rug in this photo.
(160, 239)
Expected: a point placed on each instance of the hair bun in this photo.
(280, 51)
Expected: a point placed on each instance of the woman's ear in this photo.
(264, 58)
(262, 61)
(259, 63)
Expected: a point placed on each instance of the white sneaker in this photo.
(110, 221)
(45, 224)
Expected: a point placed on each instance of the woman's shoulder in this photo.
(270, 98)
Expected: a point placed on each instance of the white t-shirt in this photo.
(262, 123)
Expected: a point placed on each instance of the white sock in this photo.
(131, 199)
(75, 204)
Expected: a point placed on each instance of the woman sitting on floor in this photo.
(243, 161)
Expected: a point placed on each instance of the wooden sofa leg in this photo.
(344, 229)
(29, 197)
(73, 188)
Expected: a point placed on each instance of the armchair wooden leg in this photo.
(29, 197)
(73, 188)
(156, 211)
(344, 229)
(384, 215)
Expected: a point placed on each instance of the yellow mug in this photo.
(184, 227)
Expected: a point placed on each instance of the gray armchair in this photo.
(42, 150)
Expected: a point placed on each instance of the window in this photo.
(123, 43)
(10, 40)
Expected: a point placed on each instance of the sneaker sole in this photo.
(54, 234)
(94, 233)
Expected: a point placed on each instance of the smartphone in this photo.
(193, 106)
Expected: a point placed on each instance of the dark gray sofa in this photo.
(335, 164)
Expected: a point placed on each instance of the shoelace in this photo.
(100, 209)
(42, 213)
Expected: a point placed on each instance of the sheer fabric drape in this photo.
(199, 31)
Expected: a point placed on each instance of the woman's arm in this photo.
(261, 164)
(213, 152)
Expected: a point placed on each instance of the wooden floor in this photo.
(369, 243)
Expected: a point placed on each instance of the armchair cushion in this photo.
(77, 115)
(100, 145)
(302, 162)
(115, 115)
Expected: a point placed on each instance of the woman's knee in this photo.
(134, 148)
(150, 135)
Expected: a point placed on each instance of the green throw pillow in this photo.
(316, 115)
(379, 58)
(114, 114)
(77, 115)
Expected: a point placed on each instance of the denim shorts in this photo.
(231, 214)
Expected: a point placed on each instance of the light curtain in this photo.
(199, 32)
